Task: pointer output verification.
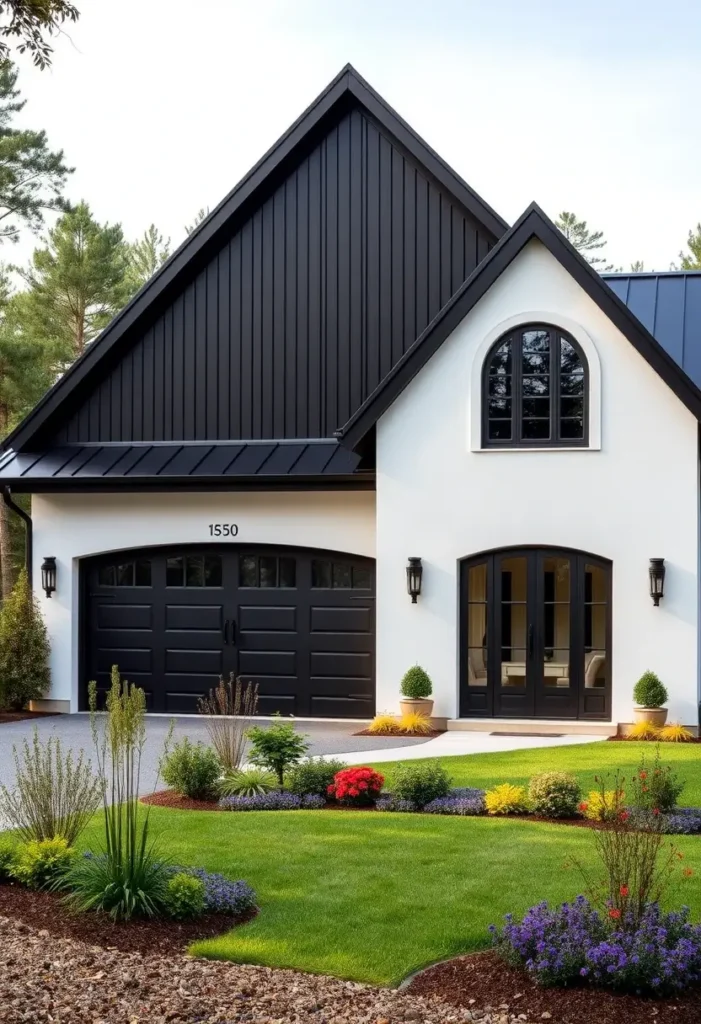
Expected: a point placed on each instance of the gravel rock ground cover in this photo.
(50, 980)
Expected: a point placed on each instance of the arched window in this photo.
(535, 390)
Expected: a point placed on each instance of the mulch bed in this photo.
(167, 798)
(46, 910)
(483, 980)
(400, 735)
(20, 716)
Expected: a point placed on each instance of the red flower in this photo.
(624, 890)
(615, 914)
(357, 785)
(624, 815)
(655, 810)
(583, 806)
(643, 775)
(687, 872)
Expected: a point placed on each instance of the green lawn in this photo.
(373, 896)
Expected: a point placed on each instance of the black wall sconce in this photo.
(414, 572)
(657, 574)
(48, 575)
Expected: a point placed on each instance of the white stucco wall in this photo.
(74, 526)
(633, 499)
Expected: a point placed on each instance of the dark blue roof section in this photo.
(669, 305)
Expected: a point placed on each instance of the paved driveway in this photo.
(74, 732)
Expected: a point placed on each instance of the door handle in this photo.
(233, 631)
(226, 631)
(530, 640)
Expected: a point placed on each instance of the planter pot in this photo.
(655, 716)
(421, 706)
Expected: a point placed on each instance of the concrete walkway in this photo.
(451, 744)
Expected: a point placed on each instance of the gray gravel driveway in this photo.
(74, 732)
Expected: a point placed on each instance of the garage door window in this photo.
(328, 575)
(267, 571)
(126, 574)
(194, 571)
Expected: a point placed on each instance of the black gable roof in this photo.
(289, 304)
(533, 223)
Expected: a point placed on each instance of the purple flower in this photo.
(274, 801)
(221, 895)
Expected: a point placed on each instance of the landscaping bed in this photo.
(46, 911)
(483, 979)
(65, 980)
(21, 716)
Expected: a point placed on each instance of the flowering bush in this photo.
(221, 895)
(465, 802)
(554, 794)
(657, 954)
(686, 821)
(602, 805)
(356, 786)
(275, 801)
(390, 802)
(655, 786)
(506, 799)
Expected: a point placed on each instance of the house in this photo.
(353, 362)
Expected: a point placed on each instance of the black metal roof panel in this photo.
(669, 305)
(163, 466)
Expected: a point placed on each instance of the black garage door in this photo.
(299, 623)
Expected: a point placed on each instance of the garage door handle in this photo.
(226, 631)
(233, 631)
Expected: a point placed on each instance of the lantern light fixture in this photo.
(414, 573)
(48, 575)
(657, 574)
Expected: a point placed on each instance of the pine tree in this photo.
(201, 215)
(24, 648)
(587, 242)
(145, 256)
(32, 177)
(691, 260)
(77, 282)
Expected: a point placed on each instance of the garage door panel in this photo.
(268, 663)
(341, 620)
(129, 659)
(341, 665)
(267, 619)
(124, 616)
(200, 662)
(275, 702)
(193, 617)
(342, 707)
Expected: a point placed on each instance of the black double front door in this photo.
(535, 635)
(299, 623)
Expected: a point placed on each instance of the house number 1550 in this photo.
(223, 529)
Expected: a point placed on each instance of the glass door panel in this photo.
(512, 673)
(595, 667)
(477, 625)
(556, 695)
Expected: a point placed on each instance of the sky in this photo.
(591, 106)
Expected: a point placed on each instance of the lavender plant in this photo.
(275, 801)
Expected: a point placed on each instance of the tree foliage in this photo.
(588, 243)
(76, 282)
(691, 260)
(32, 177)
(201, 215)
(30, 22)
(24, 648)
(145, 256)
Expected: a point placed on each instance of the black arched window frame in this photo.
(517, 440)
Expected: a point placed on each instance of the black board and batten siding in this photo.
(303, 310)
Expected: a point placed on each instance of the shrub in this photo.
(413, 722)
(221, 895)
(277, 748)
(554, 794)
(54, 794)
(506, 799)
(384, 725)
(686, 821)
(39, 864)
(419, 782)
(191, 769)
(416, 684)
(313, 776)
(277, 801)
(8, 852)
(649, 691)
(602, 805)
(24, 648)
(643, 731)
(675, 732)
(658, 955)
(249, 781)
(465, 802)
(184, 896)
(389, 802)
(655, 787)
(127, 880)
(358, 786)
(229, 708)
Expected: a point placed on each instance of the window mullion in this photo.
(554, 386)
(517, 388)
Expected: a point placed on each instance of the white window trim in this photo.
(588, 347)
